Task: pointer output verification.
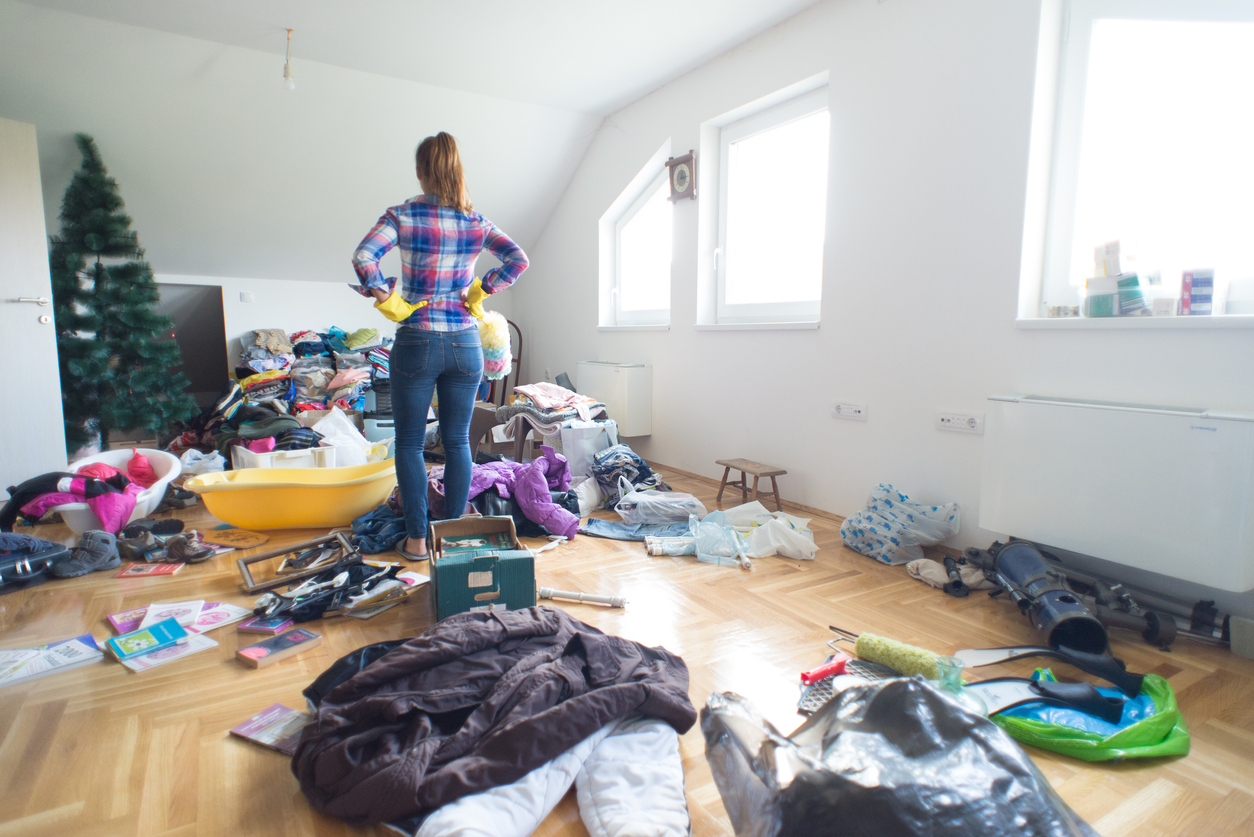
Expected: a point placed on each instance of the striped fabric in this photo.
(439, 246)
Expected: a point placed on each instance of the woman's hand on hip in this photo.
(380, 294)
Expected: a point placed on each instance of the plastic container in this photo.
(79, 516)
(295, 498)
(242, 457)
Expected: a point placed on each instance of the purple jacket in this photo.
(529, 483)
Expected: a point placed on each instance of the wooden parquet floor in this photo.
(103, 752)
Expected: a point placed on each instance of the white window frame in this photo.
(1053, 177)
(652, 316)
(616, 218)
(762, 120)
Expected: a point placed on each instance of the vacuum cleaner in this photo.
(1020, 570)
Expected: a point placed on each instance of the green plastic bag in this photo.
(1161, 734)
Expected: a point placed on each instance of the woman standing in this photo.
(437, 345)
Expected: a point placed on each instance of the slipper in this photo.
(409, 556)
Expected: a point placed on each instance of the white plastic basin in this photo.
(79, 516)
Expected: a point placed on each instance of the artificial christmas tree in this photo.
(115, 371)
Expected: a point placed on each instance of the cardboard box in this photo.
(480, 579)
(312, 417)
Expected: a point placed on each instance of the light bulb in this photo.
(288, 81)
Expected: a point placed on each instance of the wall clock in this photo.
(683, 176)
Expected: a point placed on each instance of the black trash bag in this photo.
(895, 758)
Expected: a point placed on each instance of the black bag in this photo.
(26, 561)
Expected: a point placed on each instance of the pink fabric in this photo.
(40, 505)
(261, 445)
(347, 376)
(114, 510)
(100, 471)
(140, 470)
(548, 396)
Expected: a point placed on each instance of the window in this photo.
(772, 205)
(1151, 144)
(636, 251)
(643, 247)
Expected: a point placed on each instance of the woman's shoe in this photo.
(400, 548)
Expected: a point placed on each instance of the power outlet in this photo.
(961, 422)
(854, 412)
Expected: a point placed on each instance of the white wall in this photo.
(931, 107)
(225, 173)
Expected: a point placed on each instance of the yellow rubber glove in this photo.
(474, 299)
(396, 309)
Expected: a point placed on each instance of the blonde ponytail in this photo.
(438, 159)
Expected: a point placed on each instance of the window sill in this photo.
(805, 326)
(634, 328)
(1137, 323)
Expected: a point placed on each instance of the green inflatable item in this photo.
(1161, 734)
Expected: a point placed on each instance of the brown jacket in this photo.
(479, 700)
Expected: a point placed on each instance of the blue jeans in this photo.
(451, 364)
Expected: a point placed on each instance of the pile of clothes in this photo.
(311, 370)
(280, 376)
(544, 407)
(108, 492)
(485, 720)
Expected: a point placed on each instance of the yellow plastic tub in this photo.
(295, 498)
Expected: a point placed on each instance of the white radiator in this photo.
(1166, 489)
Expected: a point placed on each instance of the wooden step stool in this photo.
(746, 467)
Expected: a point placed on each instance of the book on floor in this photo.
(127, 620)
(23, 664)
(277, 728)
(212, 615)
(271, 625)
(170, 653)
(184, 613)
(277, 648)
(146, 640)
(136, 570)
(216, 615)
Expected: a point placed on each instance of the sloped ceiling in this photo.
(228, 174)
(589, 56)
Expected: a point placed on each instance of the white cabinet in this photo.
(626, 389)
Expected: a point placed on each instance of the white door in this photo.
(32, 433)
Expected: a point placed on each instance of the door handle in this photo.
(38, 300)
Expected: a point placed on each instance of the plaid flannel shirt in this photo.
(439, 246)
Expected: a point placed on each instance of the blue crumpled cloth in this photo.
(598, 528)
(378, 531)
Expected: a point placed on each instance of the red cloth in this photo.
(99, 470)
(261, 445)
(140, 470)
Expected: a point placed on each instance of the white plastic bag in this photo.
(893, 529)
(772, 533)
(590, 496)
(195, 462)
(339, 432)
(582, 439)
(656, 506)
